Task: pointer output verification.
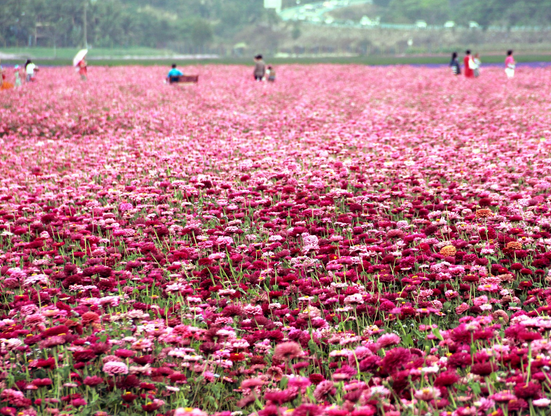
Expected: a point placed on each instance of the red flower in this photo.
(122, 353)
(83, 356)
(42, 382)
(527, 391)
(57, 330)
(78, 402)
(280, 397)
(446, 379)
(395, 359)
(316, 378)
(153, 405)
(128, 397)
(529, 336)
(483, 369)
(370, 364)
(92, 381)
(307, 410)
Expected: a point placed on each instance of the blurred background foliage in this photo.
(192, 25)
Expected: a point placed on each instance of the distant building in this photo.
(273, 4)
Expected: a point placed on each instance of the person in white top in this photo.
(29, 70)
(477, 63)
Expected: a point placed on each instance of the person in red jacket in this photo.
(469, 65)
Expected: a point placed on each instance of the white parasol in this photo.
(79, 56)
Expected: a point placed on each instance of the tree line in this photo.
(170, 23)
(109, 23)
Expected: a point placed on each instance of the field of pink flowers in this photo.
(348, 241)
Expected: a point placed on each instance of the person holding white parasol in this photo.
(79, 62)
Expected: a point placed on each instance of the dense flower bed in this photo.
(349, 241)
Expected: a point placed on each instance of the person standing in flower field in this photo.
(259, 68)
(30, 67)
(83, 69)
(454, 64)
(469, 65)
(477, 63)
(510, 64)
(4, 84)
(17, 76)
(271, 74)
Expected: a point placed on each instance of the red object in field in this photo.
(189, 79)
(469, 73)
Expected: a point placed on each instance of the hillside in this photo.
(243, 27)
(176, 24)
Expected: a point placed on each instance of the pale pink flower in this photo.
(545, 402)
(461, 308)
(427, 394)
(388, 339)
(114, 368)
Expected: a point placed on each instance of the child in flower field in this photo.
(271, 74)
(17, 76)
(477, 64)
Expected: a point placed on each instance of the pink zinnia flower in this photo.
(188, 411)
(541, 402)
(461, 308)
(114, 368)
(125, 207)
(323, 389)
(503, 396)
(287, 351)
(388, 339)
(427, 394)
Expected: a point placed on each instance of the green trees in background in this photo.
(154, 23)
(173, 23)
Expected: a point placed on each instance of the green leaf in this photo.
(436, 333)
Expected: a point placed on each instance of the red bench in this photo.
(187, 79)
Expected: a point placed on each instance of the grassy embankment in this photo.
(149, 56)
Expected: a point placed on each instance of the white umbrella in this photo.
(79, 56)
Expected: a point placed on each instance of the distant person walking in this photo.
(30, 67)
(469, 64)
(259, 68)
(477, 64)
(510, 65)
(454, 64)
